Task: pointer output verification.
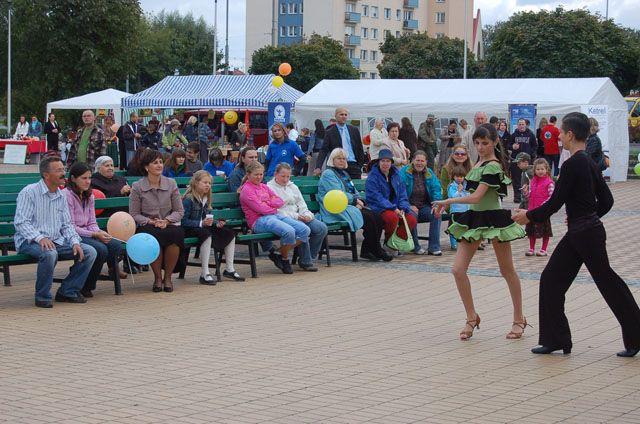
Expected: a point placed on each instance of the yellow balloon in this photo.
(335, 201)
(277, 81)
(230, 117)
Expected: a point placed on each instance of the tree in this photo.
(312, 61)
(420, 56)
(68, 47)
(170, 41)
(563, 44)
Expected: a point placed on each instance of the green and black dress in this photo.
(486, 219)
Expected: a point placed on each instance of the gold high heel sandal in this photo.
(512, 335)
(467, 334)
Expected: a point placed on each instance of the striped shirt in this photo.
(42, 214)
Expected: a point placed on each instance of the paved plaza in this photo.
(357, 342)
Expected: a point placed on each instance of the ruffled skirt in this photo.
(473, 226)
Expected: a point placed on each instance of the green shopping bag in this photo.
(396, 242)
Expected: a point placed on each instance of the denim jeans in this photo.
(288, 229)
(425, 214)
(129, 155)
(47, 260)
(309, 251)
(105, 252)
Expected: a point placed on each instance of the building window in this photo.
(387, 13)
(408, 15)
(373, 75)
(364, 54)
(374, 11)
(293, 8)
(283, 31)
(439, 17)
(350, 53)
(350, 7)
(349, 30)
(387, 34)
(363, 75)
(365, 32)
(439, 34)
(374, 55)
(365, 10)
(397, 34)
(301, 7)
(374, 33)
(283, 8)
(291, 31)
(398, 15)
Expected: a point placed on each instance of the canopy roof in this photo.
(212, 92)
(105, 99)
(457, 98)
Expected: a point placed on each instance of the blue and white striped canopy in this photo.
(212, 92)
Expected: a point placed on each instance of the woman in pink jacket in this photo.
(260, 206)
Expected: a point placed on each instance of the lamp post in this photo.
(226, 43)
(606, 12)
(9, 66)
(464, 55)
(215, 37)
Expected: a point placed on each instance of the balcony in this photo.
(351, 40)
(352, 17)
(411, 4)
(410, 24)
(355, 62)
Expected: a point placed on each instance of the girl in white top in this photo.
(295, 207)
(22, 129)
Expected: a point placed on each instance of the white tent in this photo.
(105, 99)
(462, 98)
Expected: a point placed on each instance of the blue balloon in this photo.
(143, 248)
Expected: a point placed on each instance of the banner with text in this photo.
(517, 112)
(599, 112)
(278, 112)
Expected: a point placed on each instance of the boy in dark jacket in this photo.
(521, 141)
(523, 160)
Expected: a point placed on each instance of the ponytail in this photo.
(488, 131)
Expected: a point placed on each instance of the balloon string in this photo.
(133, 280)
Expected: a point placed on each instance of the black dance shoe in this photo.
(628, 353)
(545, 350)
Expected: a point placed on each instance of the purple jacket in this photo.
(83, 217)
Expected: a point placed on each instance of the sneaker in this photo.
(541, 253)
(529, 253)
(454, 244)
(286, 267)
(276, 258)
(436, 253)
(308, 268)
(420, 251)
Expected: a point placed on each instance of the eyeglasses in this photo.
(460, 154)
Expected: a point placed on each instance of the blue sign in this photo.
(517, 112)
(279, 112)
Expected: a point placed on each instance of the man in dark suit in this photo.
(129, 139)
(347, 137)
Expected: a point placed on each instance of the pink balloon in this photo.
(121, 225)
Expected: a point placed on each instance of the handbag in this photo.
(396, 242)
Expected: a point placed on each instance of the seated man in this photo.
(44, 230)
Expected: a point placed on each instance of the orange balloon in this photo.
(284, 69)
(121, 225)
(97, 194)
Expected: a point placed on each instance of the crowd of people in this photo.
(463, 172)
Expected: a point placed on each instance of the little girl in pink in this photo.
(539, 192)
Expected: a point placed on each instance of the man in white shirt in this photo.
(478, 119)
(292, 133)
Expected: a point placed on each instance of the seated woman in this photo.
(295, 207)
(134, 168)
(247, 155)
(198, 222)
(387, 196)
(260, 206)
(218, 165)
(175, 166)
(335, 177)
(105, 179)
(423, 187)
(156, 206)
(83, 215)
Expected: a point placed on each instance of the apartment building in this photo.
(361, 25)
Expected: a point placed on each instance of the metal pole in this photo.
(606, 13)
(127, 84)
(215, 38)
(226, 43)
(274, 23)
(464, 66)
(9, 68)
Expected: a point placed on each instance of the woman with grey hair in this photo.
(378, 136)
(105, 179)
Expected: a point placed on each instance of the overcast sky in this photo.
(624, 12)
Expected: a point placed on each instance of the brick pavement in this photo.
(353, 343)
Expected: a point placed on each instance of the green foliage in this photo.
(67, 48)
(420, 56)
(312, 61)
(563, 44)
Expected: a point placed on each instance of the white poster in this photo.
(599, 112)
(15, 153)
